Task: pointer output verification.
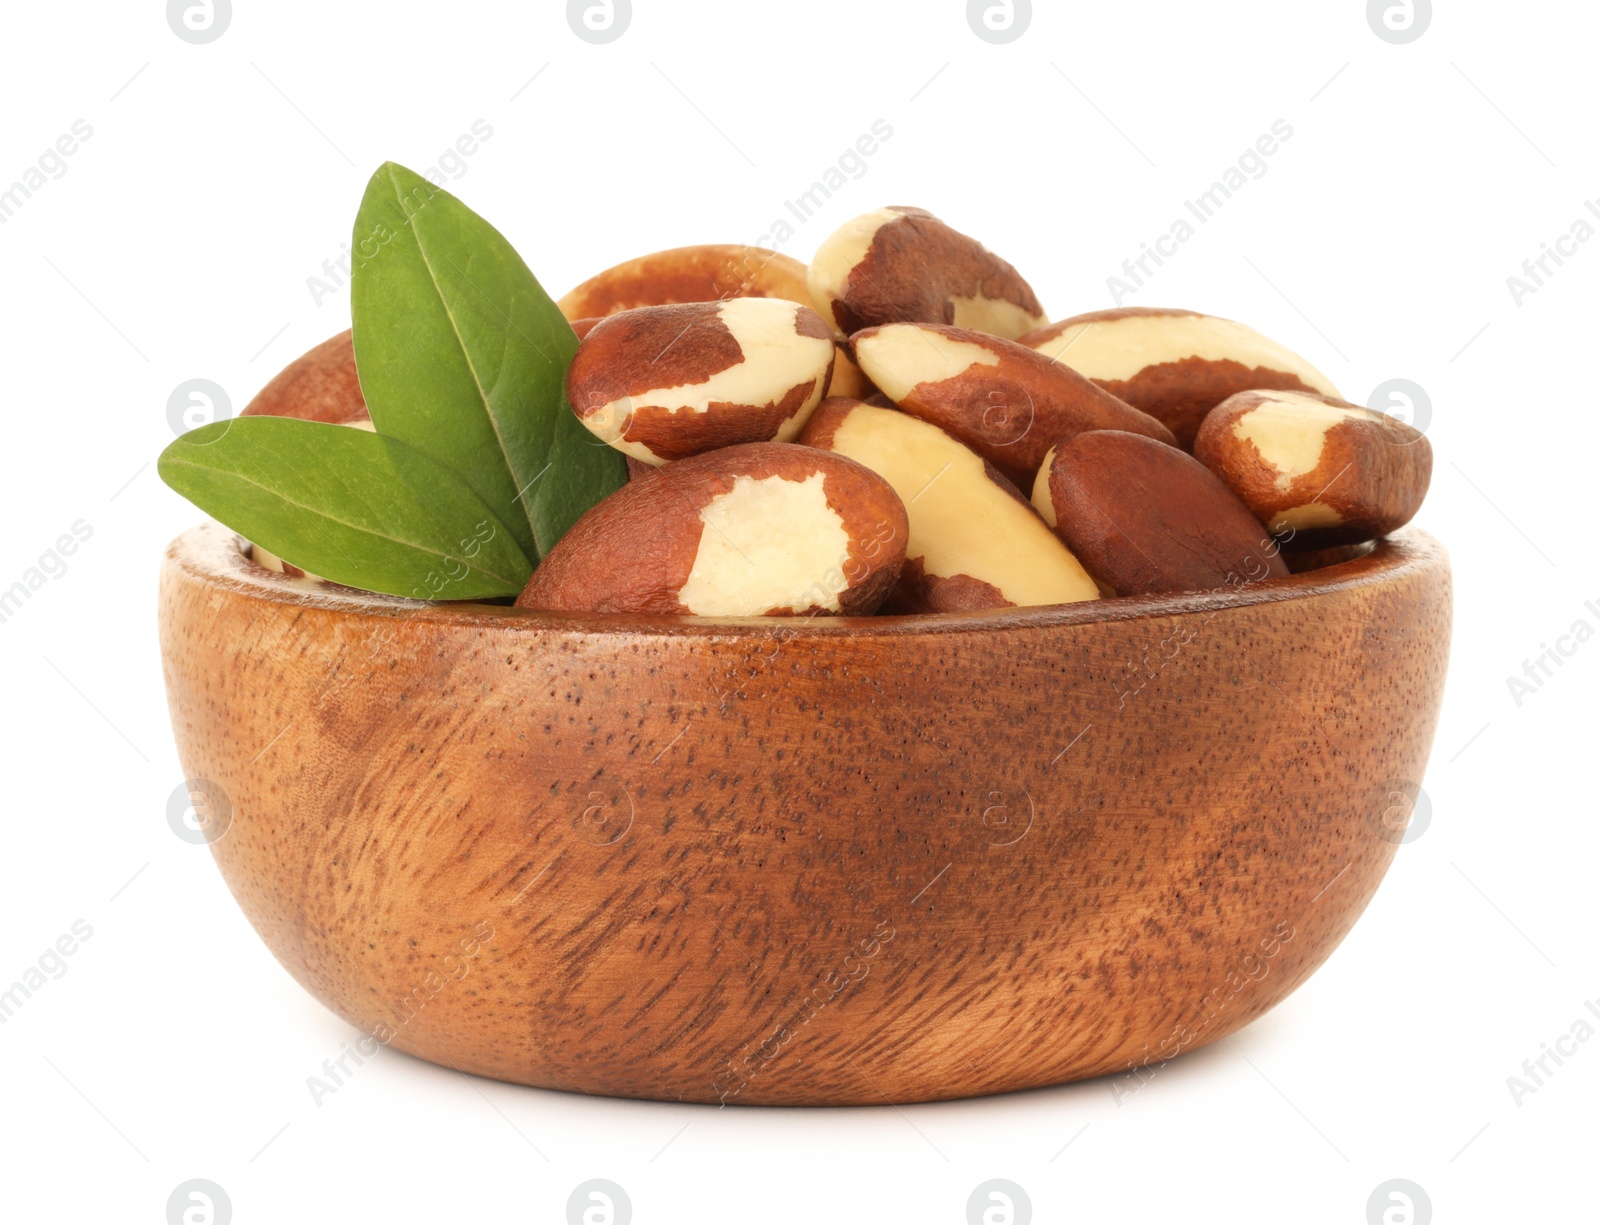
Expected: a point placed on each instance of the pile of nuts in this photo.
(861, 436)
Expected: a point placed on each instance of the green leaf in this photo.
(463, 356)
(349, 505)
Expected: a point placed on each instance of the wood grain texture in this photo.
(846, 862)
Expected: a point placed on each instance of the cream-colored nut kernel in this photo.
(974, 541)
(1174, 365)
(1290, 432)
(997, 318)
(1002, 399)
(745, 568)
(271, 561)
(710, 272)
(1311, 516)
(902, 264)
(663, 382)
(1316, 471)
(901, 356)
(762, 529)
(841, 252)
(707, 272)
(1041, 490)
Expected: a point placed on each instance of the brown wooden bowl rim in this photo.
(215, 556)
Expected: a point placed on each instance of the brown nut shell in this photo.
(638, 468)
(709, 272)
(1002, 399)
(763, 529)
(1176, 365)
(663, 382)
(319, 385)
(1144, 517)
(847, 379)
(1303, 561)
(1317, 471)
(974, 542)
(904, 265)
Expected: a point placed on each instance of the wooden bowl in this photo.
(833, 862)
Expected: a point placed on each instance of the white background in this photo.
(178, 244)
